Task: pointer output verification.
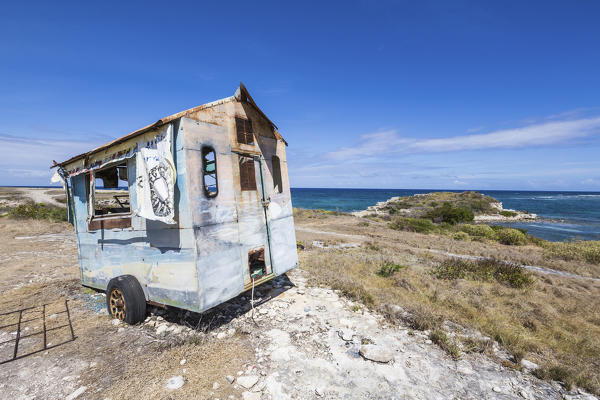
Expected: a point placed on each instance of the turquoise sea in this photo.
(564, 215)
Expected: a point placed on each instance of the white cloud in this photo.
(28, 160)
(390, 142)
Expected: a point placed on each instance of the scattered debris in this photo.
(76, 393)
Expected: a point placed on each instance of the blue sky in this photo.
(371, 94)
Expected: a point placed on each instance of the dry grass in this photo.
(482, 242)
(552, 321)
(206, 363)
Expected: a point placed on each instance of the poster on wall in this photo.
(155, 181)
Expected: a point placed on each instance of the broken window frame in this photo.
(277, 179)
(91, 194)
(205, 151)
(247, 173)
(244, 131)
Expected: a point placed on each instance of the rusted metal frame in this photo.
(157, 124)
(44, 331)
(163, 121)
(251, 101)
(18, 335)
(37, 351)
(37, 333)
(155, 304)
(27, 320)
(69, 318)
(16, 311)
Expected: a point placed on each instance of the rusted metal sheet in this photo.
(114, 223)
(241, 94)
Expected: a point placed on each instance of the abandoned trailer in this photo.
(187, 212)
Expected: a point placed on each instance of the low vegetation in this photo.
(421, 204)
(549, 320)
(38, 211)
(414, 225)
(306, 213)
(578, 250)
(389, 268)
(484, 270)
(438, 337)
(460, 231)
(511, 237)
(450, 214)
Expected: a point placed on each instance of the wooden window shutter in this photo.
(243, 128)
(247, 175)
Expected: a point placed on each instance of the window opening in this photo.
(111, 191)
(244, 131)
(256, 263)
(247, 174)
(277, 184)
(209, 172)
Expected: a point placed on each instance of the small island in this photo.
(468, 206)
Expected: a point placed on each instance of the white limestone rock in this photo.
(376, 353)
(247, 381)
(175, 382)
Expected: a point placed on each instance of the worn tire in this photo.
(125, 296)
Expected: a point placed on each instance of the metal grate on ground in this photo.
(32, 330)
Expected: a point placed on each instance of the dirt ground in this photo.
(301, 342)
(39, 269)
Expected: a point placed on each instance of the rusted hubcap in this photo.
(117, 304)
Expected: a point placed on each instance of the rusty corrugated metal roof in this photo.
(241, 94)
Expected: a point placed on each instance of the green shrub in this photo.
(413, 225)
(484, 270)
(506, 213)
(389, 268)
(484, 231)
(463, 236)
(38, 211)
(450, 214)
(584, 250)
(512, 237)
(480, 206)
(441, 339)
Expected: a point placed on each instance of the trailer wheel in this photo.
(125, 299)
